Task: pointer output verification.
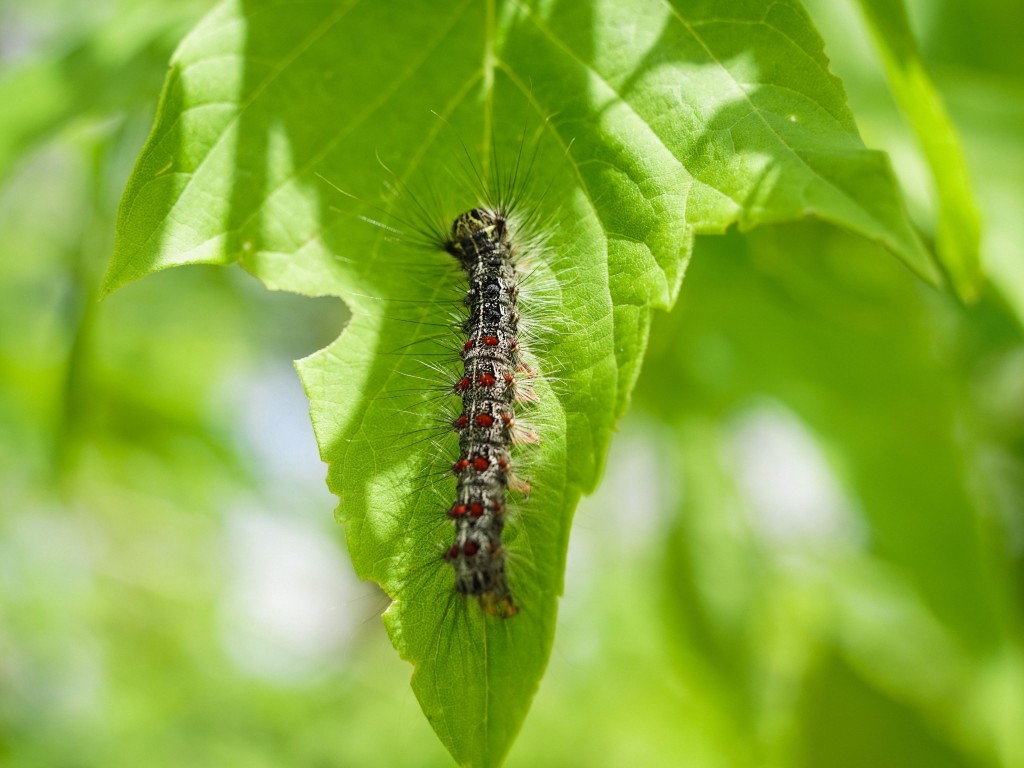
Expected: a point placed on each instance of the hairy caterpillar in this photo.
(482, 361)
(480, 241)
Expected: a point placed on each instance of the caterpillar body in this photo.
(480, 242)
(486, 358)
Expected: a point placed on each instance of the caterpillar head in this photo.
(475, 232)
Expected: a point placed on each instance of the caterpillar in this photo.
(480, 242)
(473, 373)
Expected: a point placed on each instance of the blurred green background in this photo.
(808, 549)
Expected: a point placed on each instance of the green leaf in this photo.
(851, 722)
(958, 237)
(821, 323)
(655, 121)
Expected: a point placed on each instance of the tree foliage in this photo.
(284, 127)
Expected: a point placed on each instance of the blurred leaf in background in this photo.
(807, 551)
(172, 587)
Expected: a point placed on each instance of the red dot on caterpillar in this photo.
(476, 509)
(460, 465)
(487, 380)
(461, 422)
(457, 511)
(468, 345)
(452, 553)
(470, 548)
(490, 341)
(484, 420)
(509, 378)
(480, 463)
(462, 384)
